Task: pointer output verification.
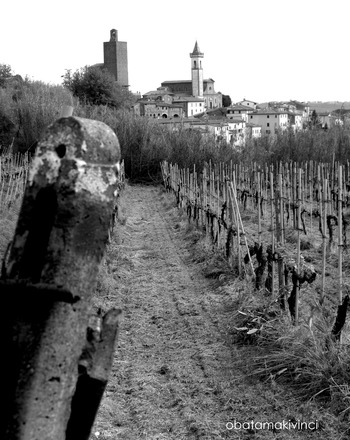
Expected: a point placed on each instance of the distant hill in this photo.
(329, 106)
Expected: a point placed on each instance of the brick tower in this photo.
(116, 58)
(197, 71)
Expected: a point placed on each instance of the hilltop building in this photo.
(197, 86)
(248, 103)
(271, 120)
(115, 57)
(238, 110)
(194, 96)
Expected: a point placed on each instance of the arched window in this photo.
(195, 64)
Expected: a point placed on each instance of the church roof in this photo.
(184, 81)
(196, 50)
(188, 99)
(158, 92)
(177, 81)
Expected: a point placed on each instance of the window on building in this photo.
(268, 116)
(268, 124)
(268, 131)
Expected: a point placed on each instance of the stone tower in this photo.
(116, 58)
(197, 71)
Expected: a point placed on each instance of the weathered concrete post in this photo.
(50, 273)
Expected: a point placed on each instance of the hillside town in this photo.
(195, 104)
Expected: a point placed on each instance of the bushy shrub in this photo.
(96, 86)
(145, 143)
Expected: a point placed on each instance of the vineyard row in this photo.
(307, 203)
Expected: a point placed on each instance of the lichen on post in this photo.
(50, 272)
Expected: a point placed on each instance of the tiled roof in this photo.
(248, 100)
(185, 81)
(240, 107)
(235, 121)
(157, 103)
(158, 92)
(188, 99)
(182, 81)
(270, 112)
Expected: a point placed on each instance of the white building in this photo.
(191, 105)
(272, 120)
(239, 111)
(253, 131)
(248, 103)
(237, 131)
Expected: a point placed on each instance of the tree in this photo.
(98, 87)
(226, 101)
(314, 120)
(5, 73)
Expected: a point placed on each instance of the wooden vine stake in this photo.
(238, 216)
(259, 208)
(342, 308)
(323, 222)
(311, 195)
(272, 203)
(298, 190)
(340, 233)
(237, 224)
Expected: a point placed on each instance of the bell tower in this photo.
(115, 55)
(197, 71)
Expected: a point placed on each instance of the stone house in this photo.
(238, 111)
(158, 109)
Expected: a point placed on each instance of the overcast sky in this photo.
(261, 50)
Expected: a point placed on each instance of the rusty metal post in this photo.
(50, 273)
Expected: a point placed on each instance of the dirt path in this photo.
(174, 376)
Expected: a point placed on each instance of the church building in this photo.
(196, 87)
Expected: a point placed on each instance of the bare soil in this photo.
(175, 373)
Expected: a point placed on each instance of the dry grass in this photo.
(8, 221)
(277, 368)
(259, 385)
